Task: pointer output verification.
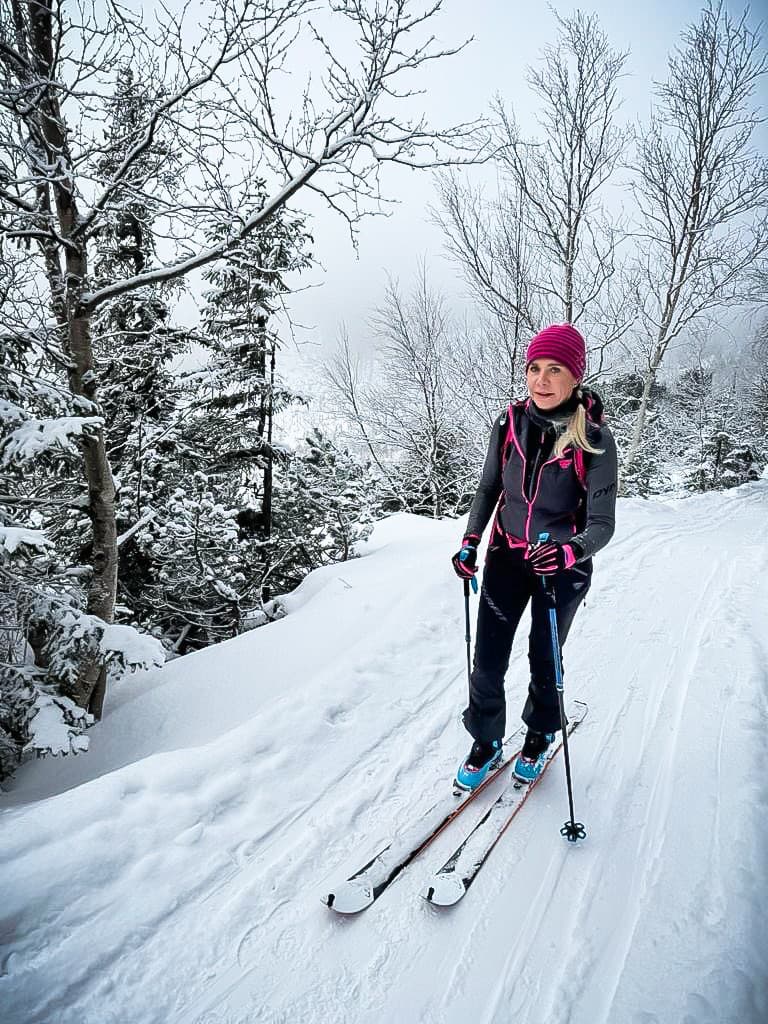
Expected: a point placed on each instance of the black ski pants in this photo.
(508, 585)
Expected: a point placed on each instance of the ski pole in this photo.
(572, 829)
(468, 629)
(468, 632)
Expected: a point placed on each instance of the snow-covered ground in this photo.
(173, 875)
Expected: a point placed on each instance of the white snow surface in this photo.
(14, 537)
(35, 436)
(49, 729)
(173, 875)
(131, 647)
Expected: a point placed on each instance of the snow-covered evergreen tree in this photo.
(204, 544)
(707, 423)
(196, 583)
(702, 429)
(69, 182)
(241, 391)
(726, 454)
(325, 502)
(728, 461)
(134, 339)
(757, 392)
(621, 396)
(46, 633)
(690, 416)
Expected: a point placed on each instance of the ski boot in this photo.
(482, 758)
(532, 757)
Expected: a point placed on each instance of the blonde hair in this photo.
(575, 433)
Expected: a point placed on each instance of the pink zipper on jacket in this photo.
(531, 503)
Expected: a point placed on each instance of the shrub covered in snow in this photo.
(47, 638)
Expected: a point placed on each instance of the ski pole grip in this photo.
(546, 581)
(463, 556)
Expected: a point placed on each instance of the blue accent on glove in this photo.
(465, 563)
(463, 556)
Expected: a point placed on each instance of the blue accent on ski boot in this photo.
(481, 759)
(531, 760)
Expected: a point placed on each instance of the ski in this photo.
(365, 886)
(451, 882)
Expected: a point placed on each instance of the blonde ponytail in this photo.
(575, 433)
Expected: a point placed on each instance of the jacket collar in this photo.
(553, 419)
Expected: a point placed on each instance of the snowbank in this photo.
(174, 873)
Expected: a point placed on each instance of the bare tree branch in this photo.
(701, 189)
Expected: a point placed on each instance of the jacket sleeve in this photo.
(601, 483)
(489, 488)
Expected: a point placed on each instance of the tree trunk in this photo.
(98, 694)
(662, 341)
(75, 324)
(642, 413)
(101, 501)
(266, 503)
(570, 257)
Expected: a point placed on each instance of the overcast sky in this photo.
(507, 36)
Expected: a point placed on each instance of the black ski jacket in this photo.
(572, 498)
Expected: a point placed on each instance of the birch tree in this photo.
(701, 188)
(403, 413)
(211, 98)
(545, 249)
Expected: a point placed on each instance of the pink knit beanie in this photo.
(564, 344)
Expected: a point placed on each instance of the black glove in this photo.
(465, 560)
(550, 557)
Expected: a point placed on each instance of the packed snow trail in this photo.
(173, 875)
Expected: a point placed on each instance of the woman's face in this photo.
(549, 383)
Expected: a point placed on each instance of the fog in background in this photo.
(504, 38)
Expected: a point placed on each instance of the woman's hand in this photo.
(465, 561)
(550, 557)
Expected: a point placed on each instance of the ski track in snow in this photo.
(618, 890)
(202, 904)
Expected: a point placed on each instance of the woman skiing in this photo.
(550, 468)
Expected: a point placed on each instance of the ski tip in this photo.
(444, 890)
(349, 898)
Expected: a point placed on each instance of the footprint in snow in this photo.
(337, 715)
(249, 948)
